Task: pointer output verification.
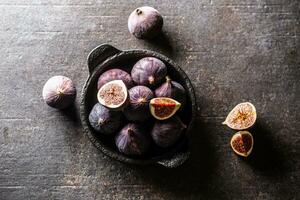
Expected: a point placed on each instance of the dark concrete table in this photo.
(233, 51)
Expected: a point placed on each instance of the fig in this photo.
(242, 143)
(59, 92)
(148, 71)
(166, 133)
(132, 140)
(104, 120)
(163, 108)
(241, 117)
(171, 89)
(138, 108)
(115, 74)
(145, 22)
(113, 95)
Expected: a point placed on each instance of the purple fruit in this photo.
(59, 92)
(105, 121)
(145, 22)
(115, 74)
(172, 90)
(138, 108)
(132, 140)
(165, 133)
(148, 71)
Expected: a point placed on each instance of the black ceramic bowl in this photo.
(105, 57)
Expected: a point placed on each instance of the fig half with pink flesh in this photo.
(242, 143)
(163, 108)
(113, 95)
(241, 117)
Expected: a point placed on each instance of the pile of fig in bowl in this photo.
(138, 106)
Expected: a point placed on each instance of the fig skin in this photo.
(171, 89)
(59, 92)
(148, 71)
(105, 121)
(115, 74)
(167, 132)
(138, 108)
(145, 22)
(132, 140)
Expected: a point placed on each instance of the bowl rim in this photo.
(117, 155)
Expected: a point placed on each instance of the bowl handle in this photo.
(99, 54)
(175, 161)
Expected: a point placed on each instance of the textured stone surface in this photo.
(232, 50)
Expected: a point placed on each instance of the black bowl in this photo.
(105, 57)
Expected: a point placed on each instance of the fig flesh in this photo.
(104, 120)
(132, 140)
(115, 74)
(138, 107)
(241, 117)
(113, 95)
(163, 108)
(145, 22)
(171, 89)
(59, 92)
(148, 71)
(242, 143)
(166, 133)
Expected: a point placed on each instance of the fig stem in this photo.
(151, 79)
(101, 121)
(138, 11)
(130, 131)
(60, 92)
(142, 100)
(168, 79)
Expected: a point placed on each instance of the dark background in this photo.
(232, 50)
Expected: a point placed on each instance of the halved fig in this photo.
(113, 95)
(242, 143)
(163, 108)
(241, 117)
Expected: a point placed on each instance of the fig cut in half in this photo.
(163, 108)
(242, 143)
(113, 95)
(241, 117)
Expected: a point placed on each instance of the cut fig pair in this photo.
(114, 95)
(242, 117)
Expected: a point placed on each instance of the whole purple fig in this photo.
(105, 121)
(138, 108)
(132, 140)
(59, 92)
(148, 71)
(165, 133)
(115, 74)
(171, 89)
(145, 22)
